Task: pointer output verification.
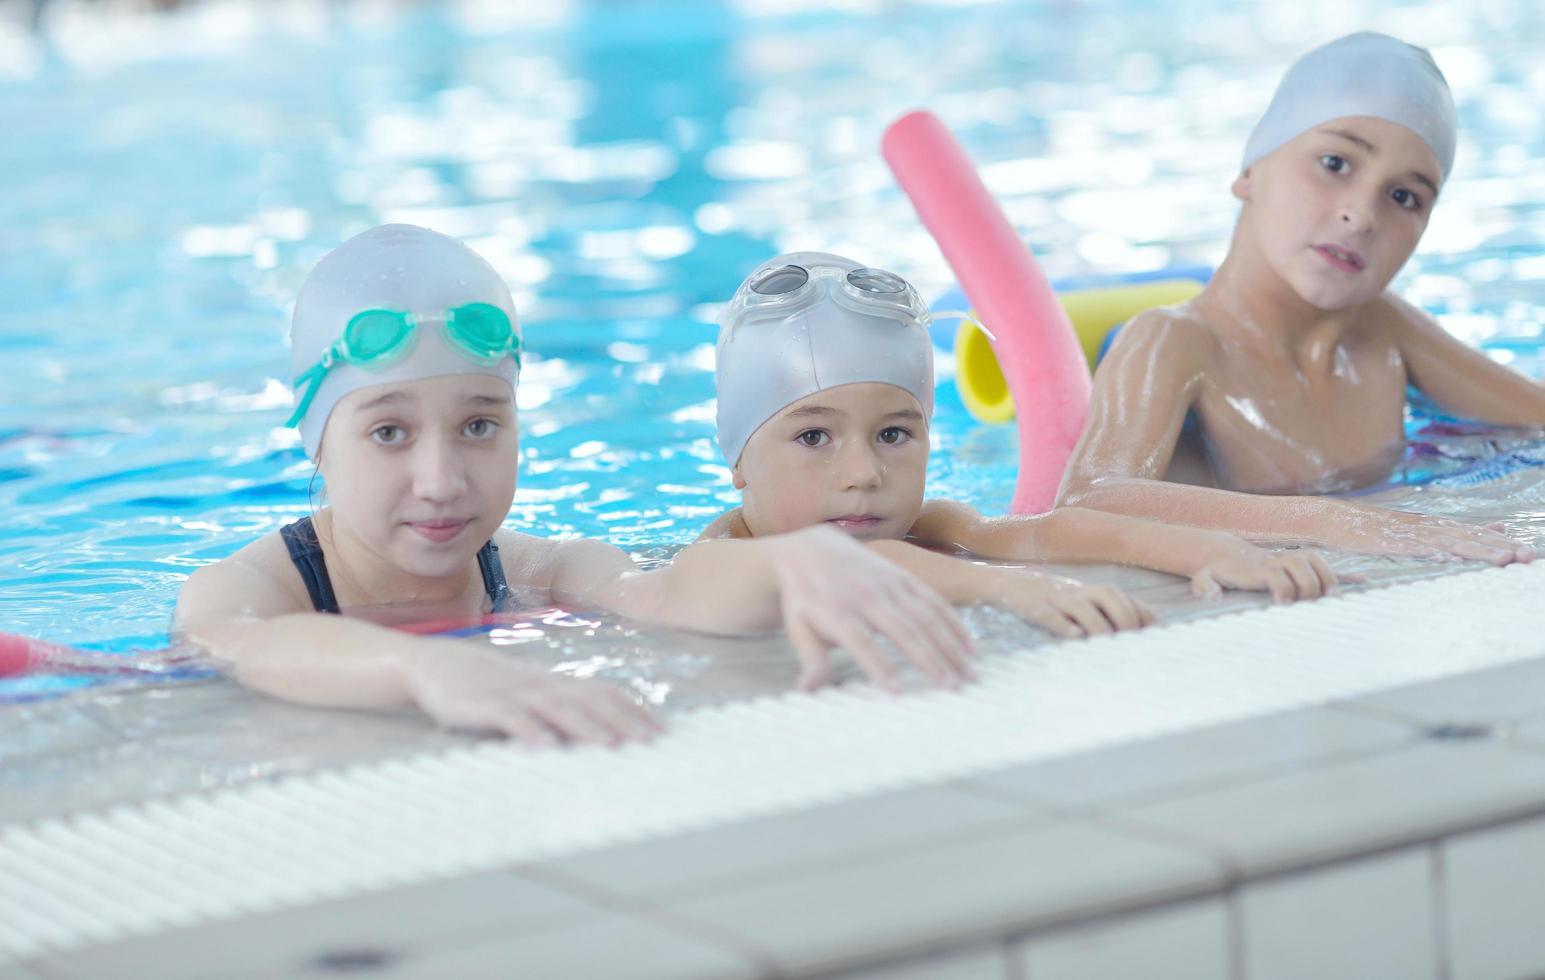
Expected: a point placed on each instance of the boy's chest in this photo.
(1272, 428)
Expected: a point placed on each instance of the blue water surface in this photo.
(170, 178)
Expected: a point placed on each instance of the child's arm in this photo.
(823, 587)
(1065, 607)
(1142, 391)
(241, 614)
(1463, 381)
(1213, 560)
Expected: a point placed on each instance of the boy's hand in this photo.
(835, 592)
(1387, 532)
(460, 685)
(1288, 577)
(1070, 609)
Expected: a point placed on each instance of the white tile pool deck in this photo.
(1323, 808)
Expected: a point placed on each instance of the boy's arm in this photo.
(1461, 379)
(819, 584)
(1142, 391)
(1063, 606)
(1143, 388)
(1211, 559)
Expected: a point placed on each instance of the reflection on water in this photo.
(171, 179)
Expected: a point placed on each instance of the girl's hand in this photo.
(1287, 576)
(460, 685)
(1394, 532)
(835, 592)
(1071, 609)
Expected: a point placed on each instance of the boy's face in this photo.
(422, 473)
(854, 457)
(1337, 210)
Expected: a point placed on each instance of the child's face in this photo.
(423, 472)
(1337, 210)
(854, 457)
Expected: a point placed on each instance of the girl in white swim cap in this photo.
(1294, 361)
(406, 351)
(825, 381)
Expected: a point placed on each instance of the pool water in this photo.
(171, 178)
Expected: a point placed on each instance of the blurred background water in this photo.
(169, 178)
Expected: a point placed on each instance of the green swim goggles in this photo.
(376, 339)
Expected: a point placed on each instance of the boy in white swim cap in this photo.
(406, 351)
(1294, 361)
(825, 382)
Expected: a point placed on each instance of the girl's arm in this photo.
(246, 617)
(1142, 391)
(823, 587)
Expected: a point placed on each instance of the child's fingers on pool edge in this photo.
(941, 624)
(1084, 612)
(572, 720)
(518, 723)
(909, 632)
(1306, 581)
(813, 652)
(855, 639)
(948, 617)
(1205, 585)
(1127, 612)
(1330, 582)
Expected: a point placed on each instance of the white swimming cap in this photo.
(1365, 74)
(785, 336)
(393, 267)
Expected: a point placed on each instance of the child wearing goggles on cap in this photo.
(1294, 361)
(406, 353)
(825, 381)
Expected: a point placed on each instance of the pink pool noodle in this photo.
(19, 655)
(1042, 362)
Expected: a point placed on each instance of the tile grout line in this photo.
(725, 940)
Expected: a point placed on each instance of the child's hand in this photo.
(460, 685)
(1387, 532)
(1070, 609)
(835, 592)
(1289, 576)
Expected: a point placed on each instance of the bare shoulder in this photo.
(527, 560)
(943, 520)
(730, 524)
(1394, 320)
(1177, 336)
(257, 582)
(572, 566)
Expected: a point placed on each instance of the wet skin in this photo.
(855, 457)
(1294, 360)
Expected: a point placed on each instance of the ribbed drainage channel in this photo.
(146, 867)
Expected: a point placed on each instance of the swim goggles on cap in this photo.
(787, 289)
(375, 339)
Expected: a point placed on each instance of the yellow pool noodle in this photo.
(1092, 312)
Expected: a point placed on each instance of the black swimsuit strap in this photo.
(306, 553)
(493, 576)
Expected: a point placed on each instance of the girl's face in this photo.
(854, 457)
(1337, 210)
(422, 473)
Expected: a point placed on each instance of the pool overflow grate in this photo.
(142, 868)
